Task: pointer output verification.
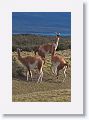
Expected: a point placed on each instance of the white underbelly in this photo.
(54, 67)
(55, 64)
(32, 66)
(43, 50)
(46, 52)
(55, 47)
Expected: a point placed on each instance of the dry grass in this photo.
(62, 95)
(51, 89)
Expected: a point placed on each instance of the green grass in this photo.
(51, 88)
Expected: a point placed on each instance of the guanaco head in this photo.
(67, 64)
(58, 35)
(19, 50)
(36, 49)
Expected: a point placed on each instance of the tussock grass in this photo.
(61, 95)
(51, 89)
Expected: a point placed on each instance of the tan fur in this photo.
(48, 48)
(58, 63)
(31, 62)
(58, 58)
(36, 49)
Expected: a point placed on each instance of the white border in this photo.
(76, 104)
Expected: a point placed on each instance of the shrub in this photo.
(27, 42)
(17, 68)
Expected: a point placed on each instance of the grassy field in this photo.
(50, 89)
(27, 42)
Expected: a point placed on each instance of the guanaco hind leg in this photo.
(27, 74)
(64, 73)
(40, 75)
(30, 73)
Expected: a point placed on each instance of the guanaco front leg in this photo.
(40, 75)
(27, 74)
(30, 73)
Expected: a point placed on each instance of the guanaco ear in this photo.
(18, 49)
(58, 35)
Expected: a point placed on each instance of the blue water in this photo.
(41, 23)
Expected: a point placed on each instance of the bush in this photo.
(17, 68)
(27, 42)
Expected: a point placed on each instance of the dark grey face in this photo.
(58, 35)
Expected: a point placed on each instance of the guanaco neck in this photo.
(22, 60)
(57, 41)
(19, 56)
